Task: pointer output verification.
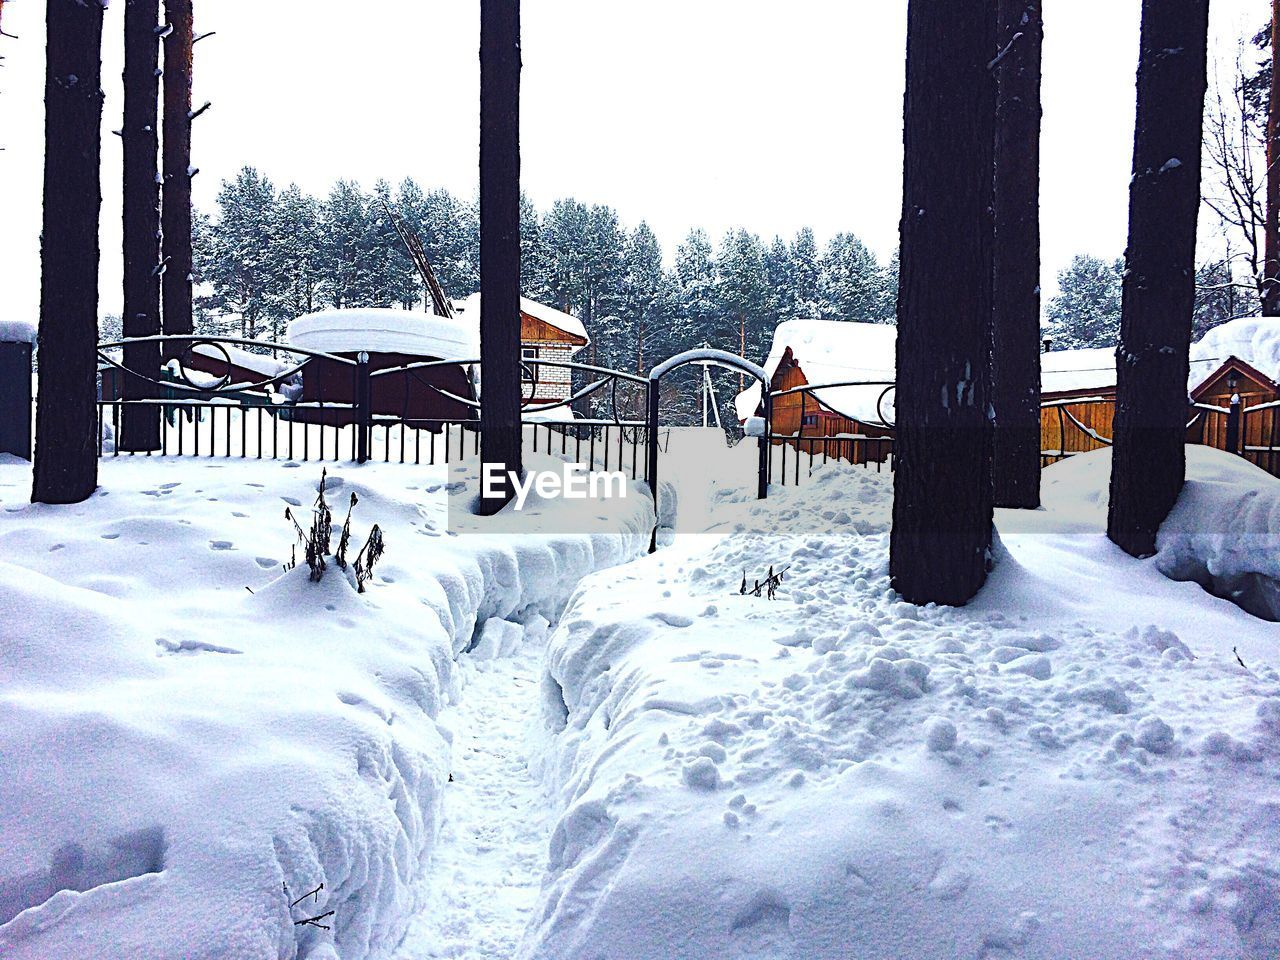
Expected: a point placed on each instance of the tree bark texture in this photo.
(1271, 263)
(942, 507)
(66, 460)
(500, 399)
(177, 171)
(1015, 373)
(1152, 361)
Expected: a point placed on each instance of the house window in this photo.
(526, 372)
(810, 420)
(529, 353)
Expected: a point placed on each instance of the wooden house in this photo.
(849, 422)
(546, 334)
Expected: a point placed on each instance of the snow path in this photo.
(485, 875)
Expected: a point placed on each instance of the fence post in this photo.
(652, 445)
(363, 413)
(762, 480)
(1233, 425)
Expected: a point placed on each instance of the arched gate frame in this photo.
(720, 358)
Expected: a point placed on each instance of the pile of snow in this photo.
(378, 330)
(188, 730)
(17, 331)
(469, 311)
(1073, 371)
(1255, 340)
(259, 363)
(835, 351)
(1075, 765)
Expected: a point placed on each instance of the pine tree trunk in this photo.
(140, 429)
(1152, 366)
(942, 485)
(500, 242)
(1271, 267)
(177, 171)
(1015, 368)
(66, 461)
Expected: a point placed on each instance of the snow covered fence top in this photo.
(378, 330)
(834, 351)
(17, 331)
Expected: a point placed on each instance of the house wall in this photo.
(553, 383)
(1261, 429)
(789, 410)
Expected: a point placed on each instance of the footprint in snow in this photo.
(170, 486)
(674, 619)
(266, 563)
(237, 513)
(180, 647)
(56, 547)
(221, 545)
(111, 536)
(292, 501)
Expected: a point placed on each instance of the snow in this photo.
(469, 311)
(835, 351)
(259, 363)
(17, 331)
(1070, 371)
(1255, 340)
(1074, 765)
(385, 331)
(186, 727)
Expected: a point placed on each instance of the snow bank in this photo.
(385, 331)
(839, 774)
(17, 331)
(187, 730)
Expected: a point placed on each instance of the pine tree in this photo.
(741, 280)
(1086, 311)
(942, 510)
(695, 272)
(1148, 461)
(806, 276)
(66, 462)
(176, 210)
(140, 429)
(851, 282)
(449, 232)
(641, 288)
(534, 262)
(564, 242)
(500, 435)
(242, 242)
(780, 295)
(603, 266)
(293, 261)
(390, 278)
(1015, 379)
(343, 282)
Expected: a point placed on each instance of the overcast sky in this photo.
(714, 113)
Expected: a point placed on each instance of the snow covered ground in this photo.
(1075, 765)
(186, 730)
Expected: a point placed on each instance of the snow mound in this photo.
(839, 774)
(385, 331)
(193, 738)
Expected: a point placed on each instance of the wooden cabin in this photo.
(842, 422)
(545, 334)
(392, 339)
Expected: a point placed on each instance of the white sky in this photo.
(712, 113)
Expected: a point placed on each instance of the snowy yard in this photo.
(1075, 765)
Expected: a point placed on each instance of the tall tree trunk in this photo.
(500, 243)
(1015, 368)
(942, 485)
(66, 461)
(1271, 265)
(1152, 366)
(177, 171)
(140, 429)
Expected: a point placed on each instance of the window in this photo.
(810, 420)
(529, 353)
(526, 371)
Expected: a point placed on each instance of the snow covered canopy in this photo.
(378, 330)
(469, 311)
(834, 351)
(1255, 340)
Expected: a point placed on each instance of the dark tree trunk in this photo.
(140, 429)
(1271, 267)
(1148, 454)
(942, 487)
(177, 171)
(500, 242)
(1015, 368)
(66, 461)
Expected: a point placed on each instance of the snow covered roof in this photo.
(469, 310)
(17, 331)
(1074, 371)
(1255, 340)
(257, 362)
(379, 330)
(835, 351)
